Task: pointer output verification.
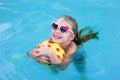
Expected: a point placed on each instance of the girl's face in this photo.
(62, 31)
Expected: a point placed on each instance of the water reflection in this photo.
(79, 61)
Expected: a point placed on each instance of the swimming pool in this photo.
(24, 23)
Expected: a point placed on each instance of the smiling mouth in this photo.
(57, 36)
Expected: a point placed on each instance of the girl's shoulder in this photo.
(72, 47)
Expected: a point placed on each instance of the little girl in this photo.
(65, 32)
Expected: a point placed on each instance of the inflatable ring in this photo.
(58, 50)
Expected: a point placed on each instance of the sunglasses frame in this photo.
(55, 26)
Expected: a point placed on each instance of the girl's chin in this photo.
(56, 40)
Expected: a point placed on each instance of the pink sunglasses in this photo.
(62, 28)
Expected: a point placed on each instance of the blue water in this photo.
(24, 23)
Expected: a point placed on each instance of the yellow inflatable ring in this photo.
(58, 50)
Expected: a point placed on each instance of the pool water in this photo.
(25, 23)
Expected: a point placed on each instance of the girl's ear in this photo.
(72, 37)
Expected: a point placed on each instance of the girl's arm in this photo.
(68, 57)
(63, 65)
(52, 56)
(46, 51)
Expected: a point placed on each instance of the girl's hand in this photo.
(46, 51)
(34, 53)
(43, 59)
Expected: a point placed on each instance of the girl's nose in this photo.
(58, 30)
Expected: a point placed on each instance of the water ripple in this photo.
(7, 70)
(59, 6)
(5, 26)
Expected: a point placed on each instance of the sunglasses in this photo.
(62, 28)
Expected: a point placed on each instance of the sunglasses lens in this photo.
(55, 26)
(63, 29)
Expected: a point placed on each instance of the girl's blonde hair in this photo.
(84, 34)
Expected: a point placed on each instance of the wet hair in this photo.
(82, 35)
